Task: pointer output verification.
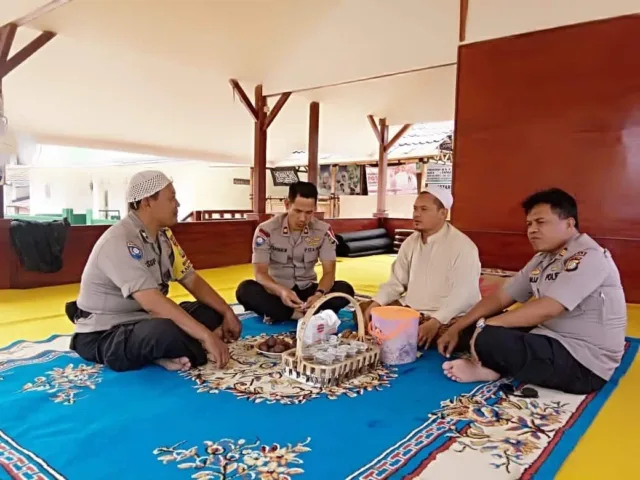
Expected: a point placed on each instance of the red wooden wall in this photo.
(561, 108)
(208, 245)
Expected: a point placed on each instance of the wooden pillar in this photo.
(381, 132)
(420, 174)
(381, 204)
(8, 64)
(314, 132)
(262, 120)
(464, 12)
(334, 177)
(260, 155)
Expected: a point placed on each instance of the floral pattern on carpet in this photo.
(66, 383)
(508, 431)
(229, 459)
(257, 378)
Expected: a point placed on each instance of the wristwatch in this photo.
(480, 324)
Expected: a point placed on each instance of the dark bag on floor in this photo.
(39, 245)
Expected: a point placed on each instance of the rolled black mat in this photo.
(362, 235)
(367, 253)
(385, 244)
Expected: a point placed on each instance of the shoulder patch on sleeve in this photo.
(135, 251)
(331, 235)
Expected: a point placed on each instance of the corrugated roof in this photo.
(424, 139)
(18, 176)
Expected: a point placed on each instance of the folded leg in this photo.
(131, 346)
(529, 358)
(254, 297)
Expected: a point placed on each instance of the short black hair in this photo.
(136, 205)
(304, 190)
(561, 203)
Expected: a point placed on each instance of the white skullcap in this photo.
(442, 194)
(144, 184)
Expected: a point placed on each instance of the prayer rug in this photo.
(62, 418)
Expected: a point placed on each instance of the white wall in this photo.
(198, 187)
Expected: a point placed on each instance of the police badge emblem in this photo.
(134, 251)
(572, 265)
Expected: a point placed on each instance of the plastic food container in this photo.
(351, 350)
(324, 358)
(340, 355)
(308, 354)
(361, 346)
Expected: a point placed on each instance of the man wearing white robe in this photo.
(437, 270)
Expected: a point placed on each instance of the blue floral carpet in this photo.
(61, 418)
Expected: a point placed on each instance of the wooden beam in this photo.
(376, 131)
(381, 210)
(276, 108)
(40, 11)
(314, 136)
(27, 51)
(260, 154)
(7, 34)
(464, 12)
(244, 98)
(397, 136)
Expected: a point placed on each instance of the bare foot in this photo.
(181, 364)
(465, 371)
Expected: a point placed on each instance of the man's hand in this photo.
(311, 300)
(290, 299)
(367, 312)
(448, 341)
(231, 326)
(216, 349)
(427, 332)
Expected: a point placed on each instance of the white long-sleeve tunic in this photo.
(440, 278)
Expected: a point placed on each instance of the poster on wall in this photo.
(401, 179)
(439, 174)
(284, 176)
(348, 180)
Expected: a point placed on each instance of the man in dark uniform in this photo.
(123, 317)
(286, 249)
(569, 333)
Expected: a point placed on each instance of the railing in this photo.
(212, 215)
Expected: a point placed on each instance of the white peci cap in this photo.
(144, 184)
(441, 193)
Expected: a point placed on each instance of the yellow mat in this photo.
(606, 451)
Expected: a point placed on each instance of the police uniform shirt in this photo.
(585, 280)
(126, 260)
(292, 258)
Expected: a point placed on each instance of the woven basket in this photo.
(321, 375)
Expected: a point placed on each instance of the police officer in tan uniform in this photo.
(569, 333)
(123, 318)
(286, 249)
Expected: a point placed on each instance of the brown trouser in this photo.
(423, 317)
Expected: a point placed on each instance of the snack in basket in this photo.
(349, 335)
(276, 344)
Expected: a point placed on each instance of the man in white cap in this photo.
(123, 317)
(437, 270)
